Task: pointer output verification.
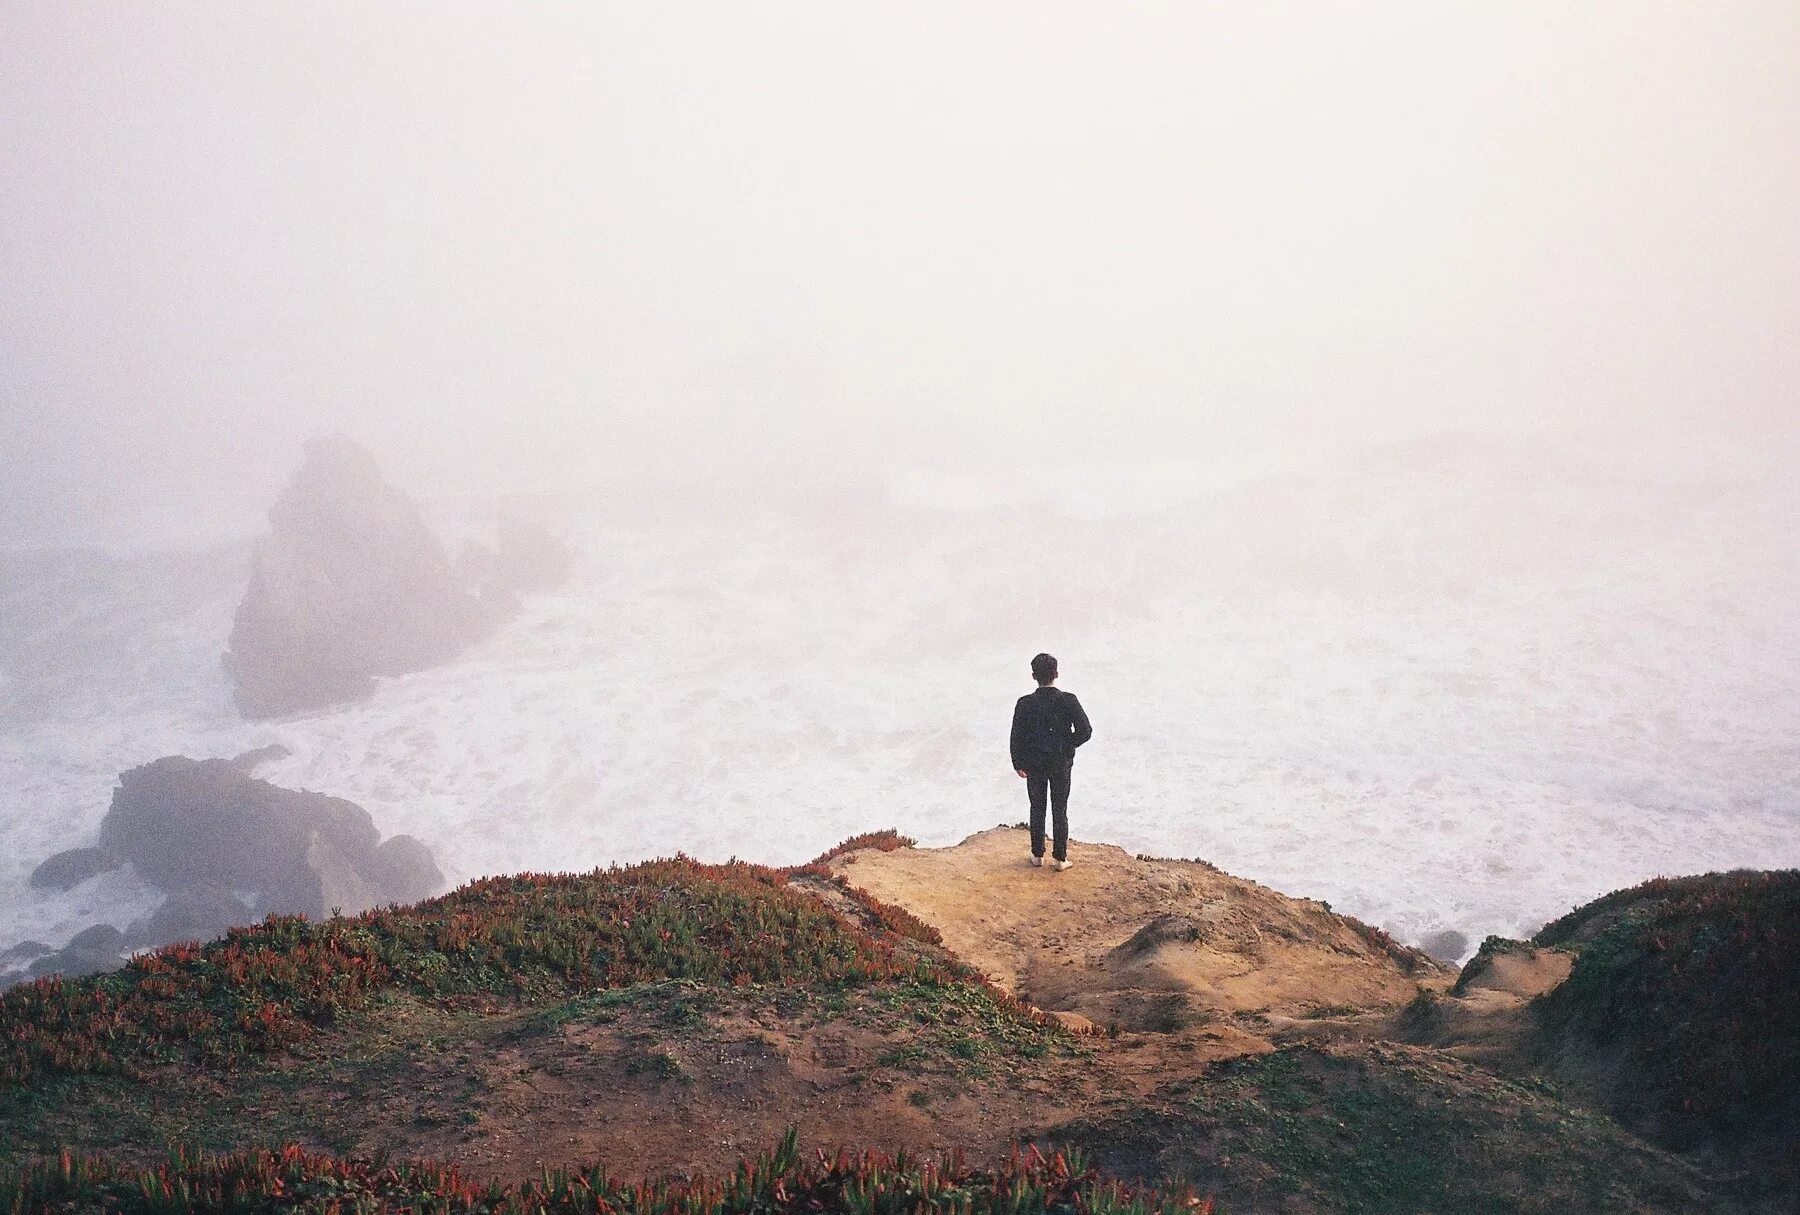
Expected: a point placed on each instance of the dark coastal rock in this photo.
(327, 881)
(97, 938)
(207, 833)
(528, 557)
(203, 824)
(192, 915)
(404, 870)
(69, 869)
(76, 963)
(1446, 945)
(94, 950)
(256, 757)
(348, 585)
(24, 951)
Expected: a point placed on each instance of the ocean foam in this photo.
(1434, 699)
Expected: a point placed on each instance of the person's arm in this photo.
(1079, 720)
(1018, 731)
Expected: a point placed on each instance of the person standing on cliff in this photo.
(1047, 726)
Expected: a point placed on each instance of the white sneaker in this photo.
(1038, 861)
(1062, 865)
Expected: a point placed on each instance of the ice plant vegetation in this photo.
(782, 1181)
(524, 939)
(1690, 984)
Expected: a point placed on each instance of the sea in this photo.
(1459, 683)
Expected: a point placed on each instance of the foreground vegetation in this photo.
(1681, 1013)
(684, 1008)
(1383, 1130)
(779, 1182)
(533, 939)
(411, 1078)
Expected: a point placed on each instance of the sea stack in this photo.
(349, 584)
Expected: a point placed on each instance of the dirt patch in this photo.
(1485, 1018)
(669, 1078)
(1136, 943)
(1524, 974)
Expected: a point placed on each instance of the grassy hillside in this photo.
(1681, 1014)
(694, 1009)
(1381, 1131)
(529, 939)
(670, 1017)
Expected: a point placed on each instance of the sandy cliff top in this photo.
(1142, 943)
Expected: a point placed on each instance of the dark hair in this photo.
(1043, 668)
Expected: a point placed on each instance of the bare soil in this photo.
(1142, 944)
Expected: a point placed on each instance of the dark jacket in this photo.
(1047, 726)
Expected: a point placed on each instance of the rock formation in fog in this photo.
(91, 951)
(186, 824)
(228, 849)
(526, 559)
(349, 584)
(204, 826)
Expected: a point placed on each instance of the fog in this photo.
(590, 246)
(1388, 414)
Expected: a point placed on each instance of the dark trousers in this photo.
(1055, 783)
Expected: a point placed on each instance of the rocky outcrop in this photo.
(228, 849)
(91, 951)
(1446, 945)
(529, 558)
(403, 870)
(192, 915)
(22, 953)
(253, 759)
(348, 585)
(189, 824)
(205, 829)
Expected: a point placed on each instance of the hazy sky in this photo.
(548, 247)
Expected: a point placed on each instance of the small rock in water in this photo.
(97, 937)
(69, 869)
(404, 871)
(1446, 945)
(192, 915)
(256, 757)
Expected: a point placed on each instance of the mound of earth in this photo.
(1485, 1017)
(1680, 1016)
(1668, 1006)
(1141, 944)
